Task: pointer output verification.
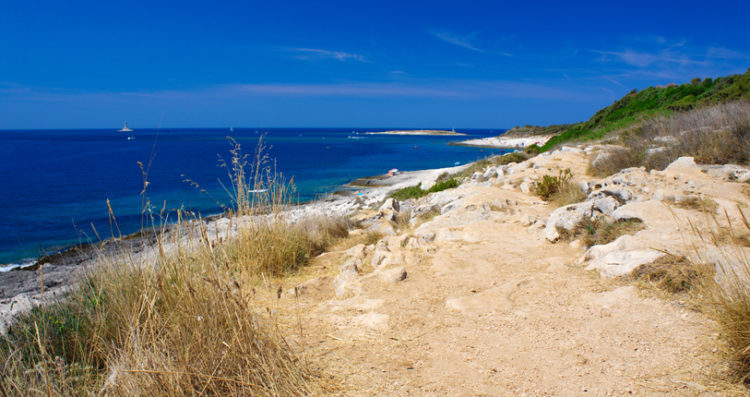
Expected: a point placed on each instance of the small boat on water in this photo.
(125, 128)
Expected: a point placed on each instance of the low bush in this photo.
(409, 192)
(550, 185)
(444, 185)
(712, 135)
(559, 189)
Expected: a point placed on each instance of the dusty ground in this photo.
(489, 308)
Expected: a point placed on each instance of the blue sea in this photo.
(56, 183)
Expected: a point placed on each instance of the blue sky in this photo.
(350, 63)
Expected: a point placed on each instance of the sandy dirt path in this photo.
(489, 308)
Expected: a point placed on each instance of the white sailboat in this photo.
(125, 128)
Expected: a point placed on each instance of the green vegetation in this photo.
(550, 185)
(711, 135)
(653, 101)
(537, 130)
(417, 192)
(559, 189)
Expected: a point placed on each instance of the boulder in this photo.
(478, 177)
(683, 164)
(606, 205)
(390, 204)
(525, 186)
(383, 226)
(490, 173)
(347, 275)
(381, 254)
(392, 275)
(567, 218)
(619, 257)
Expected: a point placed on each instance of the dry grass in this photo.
(180, 321)
(713, 135)
(599, 230)
(727, 294)
(673, 274)
(569, 193)
(701, 204)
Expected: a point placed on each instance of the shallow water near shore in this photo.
(55, 183)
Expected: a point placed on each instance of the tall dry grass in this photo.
(726, 295)
(179, 318)
(713, 135)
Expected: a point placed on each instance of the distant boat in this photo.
(125, 128)
(231, 129)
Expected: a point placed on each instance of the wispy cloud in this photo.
(465, 41)
(658, 58)
(725, 53)
(456, 89)
(319, 53)
(644, 59)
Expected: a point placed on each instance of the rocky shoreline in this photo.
(501, 142)
(51, 275)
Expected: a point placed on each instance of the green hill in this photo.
(653, 101)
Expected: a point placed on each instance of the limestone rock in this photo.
(381, 254)
(606, 205)
(383, 227)
(478, 177)
(390, 204)
(683, 164)
(618, 263)
(349, 272)
(566, 217)
(392, 275)
(490, 173)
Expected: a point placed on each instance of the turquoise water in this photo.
(56, 182)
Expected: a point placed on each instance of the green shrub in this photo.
(443, 185)
(651, 102)
(550, 185)
(416, 191)
(409, 193)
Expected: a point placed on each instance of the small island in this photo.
(415, 132)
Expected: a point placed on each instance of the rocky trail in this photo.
(477, 300)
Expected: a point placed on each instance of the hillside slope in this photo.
(639, 105)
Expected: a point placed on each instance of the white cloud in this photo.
(464, 41)
(458, 89)
(319, 53)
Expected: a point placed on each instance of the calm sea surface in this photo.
(55, 183)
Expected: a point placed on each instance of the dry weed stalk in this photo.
(179, 318)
